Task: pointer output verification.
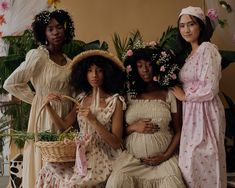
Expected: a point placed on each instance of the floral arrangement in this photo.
(165, 69)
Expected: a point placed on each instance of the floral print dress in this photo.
(99, 155)
(202, 152)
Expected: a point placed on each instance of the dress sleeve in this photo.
(172, 101)
(16, 83)
(209, 74)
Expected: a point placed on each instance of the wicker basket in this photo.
(56, 151)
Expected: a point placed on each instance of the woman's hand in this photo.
(179, 93)
(52, 97)
(154, 160)
(144, 126)
(86, 113)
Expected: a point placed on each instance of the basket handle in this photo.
(43, 106)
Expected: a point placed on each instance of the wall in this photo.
(100, 19)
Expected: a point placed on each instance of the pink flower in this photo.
(4, 5)
(128, 69)
(162, 68)
(163, 53)
(66, 141)
(173, 76)
(152, 43)
(212, 14)
(129, 53)
(155, 79)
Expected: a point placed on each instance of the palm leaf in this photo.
(120, 45)
(169, 40)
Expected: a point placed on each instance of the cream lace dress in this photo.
(46, 77)
(128, 171)
(99, 155)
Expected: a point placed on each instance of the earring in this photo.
(46, 42)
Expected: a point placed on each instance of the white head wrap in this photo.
(194, 11)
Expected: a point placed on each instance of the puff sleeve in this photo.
(208, 75)
(16, 83)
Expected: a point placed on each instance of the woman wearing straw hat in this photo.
(97, 78)
(202, 152)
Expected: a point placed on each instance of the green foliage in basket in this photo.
(48, 136)
(67, 135)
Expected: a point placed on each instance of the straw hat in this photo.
(102, 53)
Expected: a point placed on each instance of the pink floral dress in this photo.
(202, 152)
(99, 155)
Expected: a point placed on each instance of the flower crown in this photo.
(45, 17)
(165, 69)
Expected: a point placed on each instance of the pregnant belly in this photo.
(145, 145)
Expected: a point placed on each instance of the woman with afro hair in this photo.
(48, 69)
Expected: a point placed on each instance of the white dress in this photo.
(128, 171)
(99, 155)
(46, 77)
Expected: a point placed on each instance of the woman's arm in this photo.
(16, 83)
(61, 124)
(113, 138)
(177, 125)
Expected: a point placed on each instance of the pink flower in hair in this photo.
(152, 43)
(155, 79)
(162, 68)
(128, 69)
(212, 14)
(129, 53)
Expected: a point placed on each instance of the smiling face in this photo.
(145, 70)
(55, 33)
(189, 29)
(95, 76)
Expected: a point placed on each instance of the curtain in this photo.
(18, 17)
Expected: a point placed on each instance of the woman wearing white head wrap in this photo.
(202, 153)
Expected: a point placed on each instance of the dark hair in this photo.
(113, 75)
(204, 36)
(136, 83)
(42, 20)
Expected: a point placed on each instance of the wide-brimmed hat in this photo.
(89, 53)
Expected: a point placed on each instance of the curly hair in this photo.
(164, 69)
(136, 82)
(42, 19)
(113, 76)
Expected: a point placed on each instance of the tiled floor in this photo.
(4, 180)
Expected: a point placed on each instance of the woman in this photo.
(97, 78)
(48, 69)
(202, 153)
(151, 143)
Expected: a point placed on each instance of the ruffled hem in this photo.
(123, 181)
(48, 179)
